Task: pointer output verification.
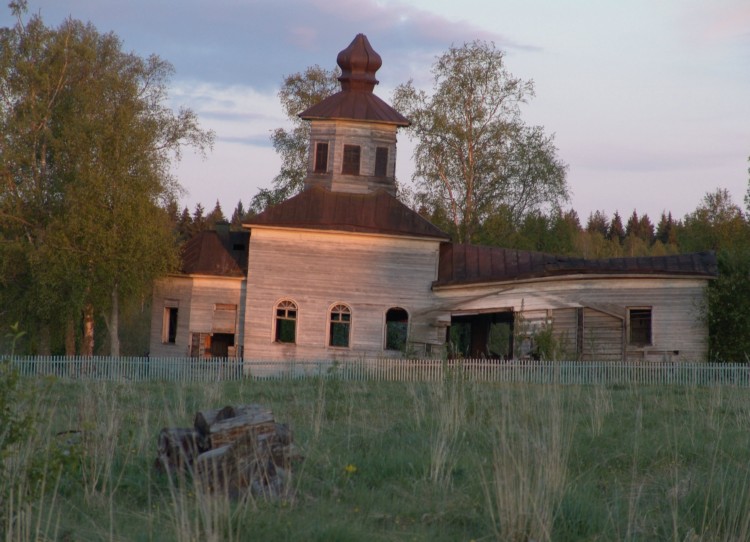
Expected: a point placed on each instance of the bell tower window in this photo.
(351, 160)
(321, 157)
(381, 161)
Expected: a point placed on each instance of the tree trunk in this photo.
(114, 324)
(87, 345)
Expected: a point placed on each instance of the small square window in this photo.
(351, 160)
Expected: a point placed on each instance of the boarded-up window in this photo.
(225, 318)
(321, 157)
(286, 322)
(396, 329)
(640, 326)
(340, 326)
(351, 160)
(381, 161)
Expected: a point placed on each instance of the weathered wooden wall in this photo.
(317, 270)
(368, 136)
(196, 298)
(678, 332)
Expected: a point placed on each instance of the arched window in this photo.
(396, 329)
(286, 321)
(340, 326)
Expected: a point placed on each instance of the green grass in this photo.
(447, 461)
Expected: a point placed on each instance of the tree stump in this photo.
(177, 449)
(232, 450)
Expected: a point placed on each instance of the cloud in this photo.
(255, 43)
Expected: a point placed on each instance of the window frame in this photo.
(342, 310)
(170, 322)
(643, 314)
(386, 344)
(286, 305)
(381, 162)
(320, 164)
(348, 161)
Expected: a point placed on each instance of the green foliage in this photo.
(86, 186)
(728, 308)
(299, 91)
(474, 155)
(30, 464)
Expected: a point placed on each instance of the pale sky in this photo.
(649, 101)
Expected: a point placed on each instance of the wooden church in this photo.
(344, 270)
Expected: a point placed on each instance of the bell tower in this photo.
(353, 133)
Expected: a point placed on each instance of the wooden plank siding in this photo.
(368, 137)
(602, 336)
(565, 329)
(678, 331)
(197, 297)
(316, 270)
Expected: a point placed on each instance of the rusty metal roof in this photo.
(355, 105)
(355, 101)
(214, 253)
(470, 264)
(319, 208)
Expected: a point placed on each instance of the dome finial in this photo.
(358, 64)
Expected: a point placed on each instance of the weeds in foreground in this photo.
(447, 460)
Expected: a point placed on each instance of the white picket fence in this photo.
(533, 372)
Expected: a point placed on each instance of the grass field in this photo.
(394, 461)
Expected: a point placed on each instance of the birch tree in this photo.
(298, 92)
(474, 155)
(88, 142)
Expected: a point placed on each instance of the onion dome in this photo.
(356, 100)
(358, 64)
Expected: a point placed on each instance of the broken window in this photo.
(640, 326)
(351, 160)
(321, 157)
(340, 324)
(396, 329)
(381, 161)
(286, 322)
(169, 323)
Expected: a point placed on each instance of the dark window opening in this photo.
(222, 345)
(351, 160)
(341, 318)
(170, 325)
(640, 327)
(286, 322)
(396, 329)
(321, 157)
(487, 335)
(381, 161)
(238, 247)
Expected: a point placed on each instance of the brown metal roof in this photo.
(213, 253)
(376, 212)
(469, 264)
(355, 105)
(355, 101)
